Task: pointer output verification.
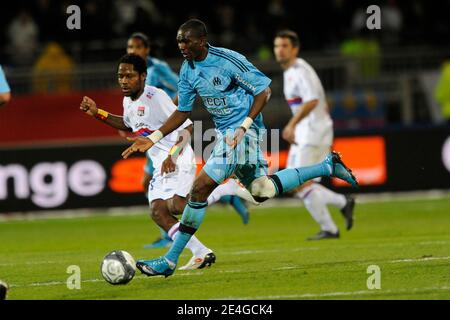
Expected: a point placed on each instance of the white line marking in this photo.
(336, 294)
(199, 273)
(419, 259)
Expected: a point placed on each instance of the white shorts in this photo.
(178, 182)
(306, 155)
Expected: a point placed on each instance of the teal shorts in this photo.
(149, 168)
(246, 161)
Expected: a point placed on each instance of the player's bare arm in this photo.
(90, 107)
(289, 130)
(259, 102)
(141, 144)
(5, 97)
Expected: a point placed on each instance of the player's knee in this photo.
(262, 189)
(176, 205)
(158, 210)
(200, 192)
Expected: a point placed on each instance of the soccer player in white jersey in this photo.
(310, 133)
(146, 108)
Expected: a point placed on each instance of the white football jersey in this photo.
(149, 112)
(301, 84)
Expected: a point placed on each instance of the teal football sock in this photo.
(191, 220)
(288, 179)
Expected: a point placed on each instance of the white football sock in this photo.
(197, 248)
(317, 208)
(225, 189)
(330, 197)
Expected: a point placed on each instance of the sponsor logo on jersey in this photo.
(141, 111)
(245, 83)
(215, 102)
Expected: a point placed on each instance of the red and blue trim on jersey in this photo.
(143, 132)
(294, 101)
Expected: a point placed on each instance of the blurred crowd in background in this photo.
(246, 26)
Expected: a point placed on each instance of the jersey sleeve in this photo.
(186, 94)
(126, 121)
(308, 90)
(247, 76)
(4, 87)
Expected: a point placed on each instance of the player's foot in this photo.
(156, 267)
(339, 169)
(239, 205)
(199, 262)
(159, 243)
(347, 211)
(241, 208)
(324, 235)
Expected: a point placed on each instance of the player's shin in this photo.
(191, 220)
(288, 179)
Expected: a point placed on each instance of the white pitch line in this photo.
(11, 264)
(199, 273)
(251, 252)
(335, 294)
(419, 259)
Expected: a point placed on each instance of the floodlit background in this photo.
(389, 96)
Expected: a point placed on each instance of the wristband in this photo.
(156, 136)
(101, 114)
(175, 151)
(247, 123)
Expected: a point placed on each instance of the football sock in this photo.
(330, 197)
(197, 248)
(164, 234)
(223, 192)
(317, 208)
(288, 179)
(191, 220)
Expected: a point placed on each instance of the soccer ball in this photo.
(3, 290)
(118, 267)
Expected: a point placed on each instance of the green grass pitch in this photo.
(267, 259)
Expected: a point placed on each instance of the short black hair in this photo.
(291, 35)
(139, 64)
(143, 37)
(196, 26)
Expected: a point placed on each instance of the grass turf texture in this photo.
(267, 259)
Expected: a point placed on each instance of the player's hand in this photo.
(288, 134)
(140, 144)
(168, 166)
(239, 133)
(89, 106)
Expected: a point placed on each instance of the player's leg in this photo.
(201, 255)
(163, 240)
(232, 192)
(314, 154)
(301, 155)
(318, 211)
(191, 220)
(266, 187)
(217, 169)
(345, 203)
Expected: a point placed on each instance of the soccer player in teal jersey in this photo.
(160, 75)
(5, 91)
(234, 92)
